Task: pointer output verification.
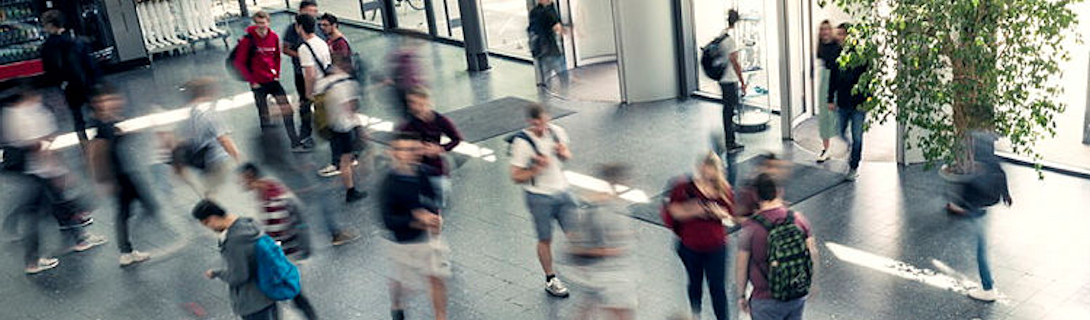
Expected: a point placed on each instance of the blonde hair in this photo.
(261, 15)
(720, 181)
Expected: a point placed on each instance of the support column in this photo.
(648, 69)
(476, 43)
(389, 15)
(429, 15)
(242, 9)
(688, 71)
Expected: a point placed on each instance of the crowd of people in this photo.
(776, 257)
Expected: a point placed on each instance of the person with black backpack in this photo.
(777, 254)
(68, 64)
(257, 61)
(720, 62)
(545, 26)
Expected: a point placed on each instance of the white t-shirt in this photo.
(551, 180)
(338, 93)
(321, 49)
(728, 46)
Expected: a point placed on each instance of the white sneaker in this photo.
(42, 264)
(556, 288)
(133, 257)
(983, 295)
(329, 171)
(88, 242)
(824, 156)
(852, 175)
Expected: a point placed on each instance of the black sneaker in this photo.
(307, 142)
(352, 195)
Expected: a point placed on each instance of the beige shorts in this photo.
(413, 263)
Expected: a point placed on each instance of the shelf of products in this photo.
(20, 37)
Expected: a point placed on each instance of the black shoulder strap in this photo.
(763, 222)
(321, 65)
(522, 135)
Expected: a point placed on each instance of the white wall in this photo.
(593, 21)
(647, 54)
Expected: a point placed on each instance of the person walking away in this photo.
(601, 250)
(341, 100)
(544, 27)
(731, 83)
(537, 154)
(292, 45)
(27, 131)
(986, 189)
(258, 60)
(282, 221)
(68, 65)
(338, 43)
(846, 103)
(777, 254)
(411, 214)
(110, 166)
(827, 52)
(746, 202)
(405, 73)
(237, 247)
(206, 143)
(695, 210)
(431, 126)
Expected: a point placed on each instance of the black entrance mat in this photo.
(806, 181)
(490, 119)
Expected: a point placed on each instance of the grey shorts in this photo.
(546, 208)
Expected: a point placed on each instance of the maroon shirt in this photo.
(339, 48)
(431, 132)
(754, 239)
(701, 234)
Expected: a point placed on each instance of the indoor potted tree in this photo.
(949, 68)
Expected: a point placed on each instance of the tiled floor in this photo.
(1038, 246)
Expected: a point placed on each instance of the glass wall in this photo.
(592, 28)
(754, 36)
(505, 23)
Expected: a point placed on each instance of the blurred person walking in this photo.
(238, 246)
(537, 155)
(601, 245)
(258, 60)
(827, 52)
(777, 255)
(340, 101)
(405, 73)
(68, 65)
(292, 45)
(544, 29)
(205, 142)
(986, 187)
(27, 134)
(411, 213)
(847, 104)
(111, 166)
(695, 210)
(431, 127)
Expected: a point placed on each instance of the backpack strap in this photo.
(761, 220)
(250, 52)
(321, 66)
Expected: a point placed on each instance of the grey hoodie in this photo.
(237, 250)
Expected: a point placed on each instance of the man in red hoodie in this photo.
(258, 59)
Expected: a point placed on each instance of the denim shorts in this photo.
(545, 208)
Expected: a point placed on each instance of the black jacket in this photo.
(841, 82)
(68, 59)
(401, 194)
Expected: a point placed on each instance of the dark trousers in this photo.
(76, 99)
(45, 196)
(303, 304)
(711, 266)
(305, 110)
(856, 118)
(730, 104)
(261, 100)
(127, 194)
(269, 313)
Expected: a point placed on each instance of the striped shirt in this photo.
(280, 217)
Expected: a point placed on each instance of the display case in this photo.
(20, 36)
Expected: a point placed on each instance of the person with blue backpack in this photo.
(258, 273)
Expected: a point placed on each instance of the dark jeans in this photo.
(76, 99)
(709, 265)
(772, 309)
(127, 193)
(856, 117)
(269, 313)
(261, 100)
(303, 304)
(304, 109)
(730, 105)
(45, 196)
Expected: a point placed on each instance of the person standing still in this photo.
(292, 45)
(827, 53)
(68, 64)
(537, 153)
(338, 44)
(732, 83)
(846, 103)
(544, 28)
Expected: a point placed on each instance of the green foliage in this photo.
(948, 67)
